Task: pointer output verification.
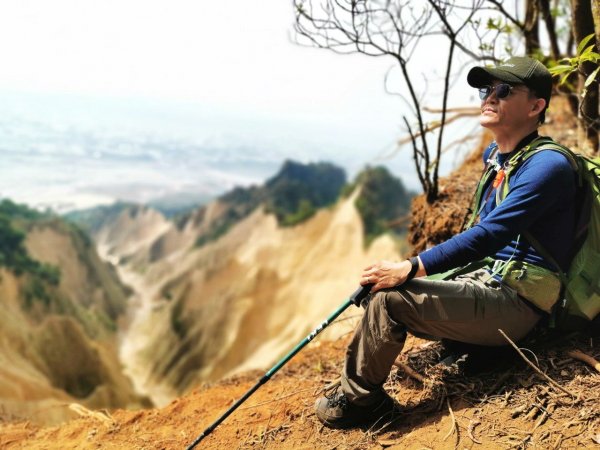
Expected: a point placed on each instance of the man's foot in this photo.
(335, 411)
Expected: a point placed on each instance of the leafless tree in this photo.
(394, 29)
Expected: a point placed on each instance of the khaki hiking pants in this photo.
(470, 309)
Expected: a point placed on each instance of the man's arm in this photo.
(543, 181)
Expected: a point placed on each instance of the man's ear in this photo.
(538, 106)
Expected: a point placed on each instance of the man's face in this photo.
(510, 112)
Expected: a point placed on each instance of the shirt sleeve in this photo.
(541, 183)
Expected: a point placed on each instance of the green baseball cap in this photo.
(516, 70)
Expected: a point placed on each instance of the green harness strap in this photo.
(486, 176)
(457, 271)
(527, 152)
(508, 166)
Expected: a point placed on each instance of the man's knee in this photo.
(382, 319)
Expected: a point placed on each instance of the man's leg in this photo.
(470, 309)
(375, 345)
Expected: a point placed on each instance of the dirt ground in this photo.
(501, 404)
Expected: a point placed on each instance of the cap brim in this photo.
(483, 76)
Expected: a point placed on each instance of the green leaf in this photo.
(591, 77)
(494, 25)
(587, 50)
(561, 68)
(584, 42)
(563, 80)
(589, 57)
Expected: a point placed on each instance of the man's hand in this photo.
(387, 274)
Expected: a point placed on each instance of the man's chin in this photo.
(488, 121)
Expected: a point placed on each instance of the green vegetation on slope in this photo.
(383, 202)
(96, 306)
(13, 254)
(299, 190)
(293, 195)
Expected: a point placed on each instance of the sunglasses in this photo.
(502, 91)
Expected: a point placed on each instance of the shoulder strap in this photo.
(537, 145)
(483, 181)
(551, 145)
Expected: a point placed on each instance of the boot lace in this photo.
(336, 398)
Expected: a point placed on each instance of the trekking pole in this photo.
(356, 298)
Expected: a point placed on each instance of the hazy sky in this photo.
(231, 55)
(220, 67)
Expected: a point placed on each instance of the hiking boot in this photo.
(336, 411)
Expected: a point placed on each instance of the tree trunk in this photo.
(583, 25)
(531, 30)
(596, 17)
(550, 27)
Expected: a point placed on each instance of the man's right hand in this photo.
(386, 274)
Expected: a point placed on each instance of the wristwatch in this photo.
(414, 262)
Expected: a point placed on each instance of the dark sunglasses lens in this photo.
(502, 90)
(484, 92)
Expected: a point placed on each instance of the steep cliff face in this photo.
(234, 285)
(241, 301)
(58, 339)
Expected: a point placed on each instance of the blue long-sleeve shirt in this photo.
(541, 200)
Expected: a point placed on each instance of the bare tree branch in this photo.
(398, 29)
(506, 14)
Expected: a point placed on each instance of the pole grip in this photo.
(360, 294)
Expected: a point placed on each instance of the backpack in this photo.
(579, 302)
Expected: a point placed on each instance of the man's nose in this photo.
(492, 98)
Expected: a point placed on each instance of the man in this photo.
(473, 306)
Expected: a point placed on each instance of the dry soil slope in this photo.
(492, 411)
(61, 347)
